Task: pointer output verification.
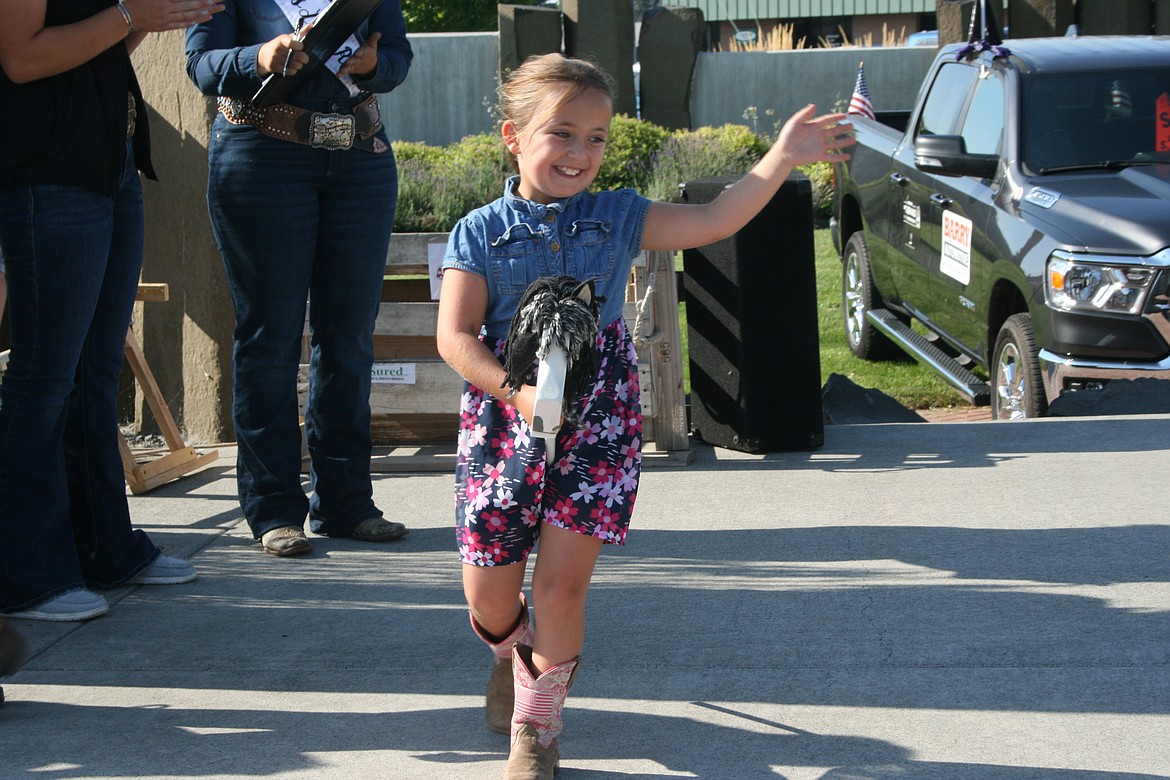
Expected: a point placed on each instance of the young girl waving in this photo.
(555, 115)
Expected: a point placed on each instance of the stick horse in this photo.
(552, 344)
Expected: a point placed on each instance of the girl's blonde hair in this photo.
(538, 77)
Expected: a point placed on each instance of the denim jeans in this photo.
(299, 225)
(73, 258)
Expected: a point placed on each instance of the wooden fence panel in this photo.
(414, 400)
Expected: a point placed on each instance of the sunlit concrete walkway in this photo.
(953, 601)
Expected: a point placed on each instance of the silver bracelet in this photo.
(126, 15)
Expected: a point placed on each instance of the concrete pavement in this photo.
(952, 601)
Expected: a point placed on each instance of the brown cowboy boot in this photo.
(500, 693)
(537, 721)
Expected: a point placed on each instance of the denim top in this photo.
(512, 241)
(221, 54)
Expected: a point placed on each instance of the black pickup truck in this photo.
(1013, 229)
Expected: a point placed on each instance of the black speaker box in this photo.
(751, 306)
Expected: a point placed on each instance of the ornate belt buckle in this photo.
(331, 131)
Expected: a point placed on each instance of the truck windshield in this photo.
(1095, 119)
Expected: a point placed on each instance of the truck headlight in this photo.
(1073, 282)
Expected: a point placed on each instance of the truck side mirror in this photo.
(947, 155)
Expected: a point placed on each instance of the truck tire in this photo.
(1017, 390)
(859, 295)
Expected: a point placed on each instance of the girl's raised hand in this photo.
(806, 139)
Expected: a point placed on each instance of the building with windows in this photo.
(817, 22)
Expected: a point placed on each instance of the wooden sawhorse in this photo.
(181, 459)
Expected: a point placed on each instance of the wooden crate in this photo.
(651, 312)
(415, 420)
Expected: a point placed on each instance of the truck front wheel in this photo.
(859, 295)
(1017, 390)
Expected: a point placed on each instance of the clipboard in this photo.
(330, 29)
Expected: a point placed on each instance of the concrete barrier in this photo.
(727, 84)
(450, 92)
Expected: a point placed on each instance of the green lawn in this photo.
(912, 385)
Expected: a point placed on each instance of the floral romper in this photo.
(503, 489)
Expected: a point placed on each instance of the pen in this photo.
(296, 37)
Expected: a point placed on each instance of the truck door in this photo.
(921, 193)
(959, 213)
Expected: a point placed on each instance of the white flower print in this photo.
(612, 428)
(479, 501)
(584, 492)
(589, 433)
(470, 513)
(463, 448)
(566, 464)
(494, 475)
(521, 434)
(477, 436)
(504, 499)
(611, 493)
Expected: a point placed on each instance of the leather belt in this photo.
(357, 130)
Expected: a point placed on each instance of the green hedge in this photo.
(428, 16)
(629, 154)
(438, 185)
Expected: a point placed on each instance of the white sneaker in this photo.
(74, 605)
(164, 571)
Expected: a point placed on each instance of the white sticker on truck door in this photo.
(911, 214)
(956, 247)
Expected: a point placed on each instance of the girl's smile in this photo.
(560, 153)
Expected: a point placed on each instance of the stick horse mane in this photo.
(551, 344)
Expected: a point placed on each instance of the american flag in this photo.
(860, 103)
(1119, 98)
(538, 706)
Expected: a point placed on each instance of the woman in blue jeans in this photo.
(302, 196)
(71, 232)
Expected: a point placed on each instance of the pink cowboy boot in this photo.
(500, 693)
(537, 721)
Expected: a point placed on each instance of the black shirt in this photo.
(71, 128)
